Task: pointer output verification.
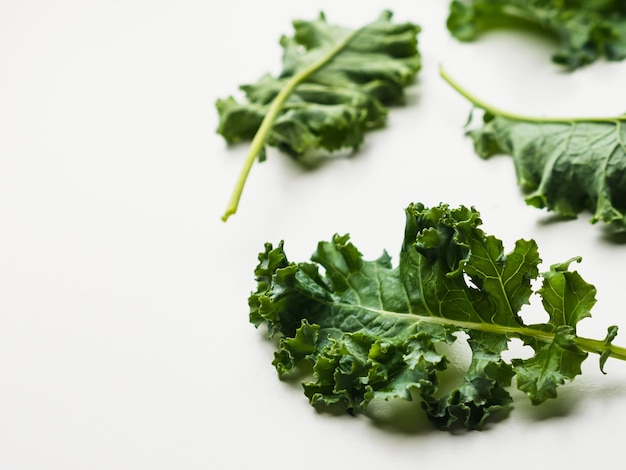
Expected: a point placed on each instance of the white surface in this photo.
(124, 338)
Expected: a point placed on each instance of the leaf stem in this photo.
(262, 133)
(598, 347)
(478, 103)
(586, 344)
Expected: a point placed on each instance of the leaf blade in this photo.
(568, 167)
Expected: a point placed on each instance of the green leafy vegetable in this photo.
(586, 29)
(373, 331)
(336, 84)
(567, 165)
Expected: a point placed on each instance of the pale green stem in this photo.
(266, 125)
(598, 347)
(478, 103)
(586, 344)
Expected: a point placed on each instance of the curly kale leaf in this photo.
(372, 331)
(586, 30)
(566, 165)
(336, 84)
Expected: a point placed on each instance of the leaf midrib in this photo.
(460, 324)
(277, 104)
(585, 344)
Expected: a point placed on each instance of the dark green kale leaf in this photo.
(372, 331)
(336, 84)
(566, 165)
(586, 30)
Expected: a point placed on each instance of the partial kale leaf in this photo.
(336, 84)
(586, 30)
(372, 331)
(566, 165)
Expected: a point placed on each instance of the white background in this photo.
(124, 334)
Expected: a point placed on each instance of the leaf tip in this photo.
(610, 336)
(563, 267)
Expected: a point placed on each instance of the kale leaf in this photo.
(373, 331)
(336, 84)
(566, 165)
(586, 30)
